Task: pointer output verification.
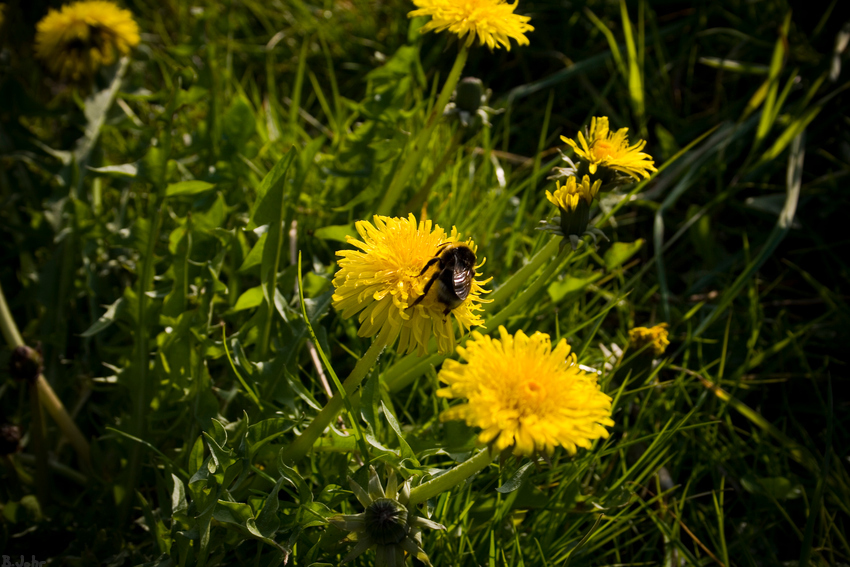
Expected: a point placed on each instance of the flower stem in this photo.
(45, 394)
(420, 144)
(7, 324)
(298, 448)
(42, 482)
(452, 478)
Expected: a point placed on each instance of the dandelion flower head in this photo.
(655, 336)
(383, 278)
(525, 395)
(612, 150)
(75, 41)
(493, 22)
(567, 196)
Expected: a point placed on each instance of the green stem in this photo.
(346, 398)
(42, 482)
(452, 478)
(60, 415)
(413, 159)
(45, 394)
(298, 448)
(7, 324)
(421, 196)
(515, 281)
(140, 388)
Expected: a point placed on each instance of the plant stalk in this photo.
(45, 394)
(420, 144)
(452, 478)
(299, 448)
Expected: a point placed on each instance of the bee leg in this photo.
(425, 290)
(430, 263)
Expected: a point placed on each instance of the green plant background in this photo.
(142, 234)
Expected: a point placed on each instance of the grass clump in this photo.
(266, 260)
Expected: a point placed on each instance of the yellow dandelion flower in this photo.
(567, 196)
(525, 395)
(493, 22)
(77, 40)
(383, 281)
(655, 336)
(612, 150)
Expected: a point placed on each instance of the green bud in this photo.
(469, 93)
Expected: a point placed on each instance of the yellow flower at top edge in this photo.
(655, 336)
(383, 279)
(525, 395)
(77, 40)
(493, 22)
(567, 196)
(612, 150)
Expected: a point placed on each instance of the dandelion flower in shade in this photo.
(612, 150)
(525, 395)
(493, 22)
(655, 336)
(383, 278)
(569, 196)
(386, 523)
(77, 40)
(573, 199)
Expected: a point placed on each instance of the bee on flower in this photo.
(75, 41)
(412, 279)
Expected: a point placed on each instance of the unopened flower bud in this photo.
(25, 363)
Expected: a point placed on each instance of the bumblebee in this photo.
(456, 263)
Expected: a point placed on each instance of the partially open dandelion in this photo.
(493, 22)
(386, 523)
(573, 200)
(656, 337)
(611, 150)
(77, 40)
(384, 278)
(525, 395)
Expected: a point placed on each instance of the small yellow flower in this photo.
(567, 196)
(524, 395)
(493, 22)
(383, 279)
(655, 336)
(77, 40)
(612, 150)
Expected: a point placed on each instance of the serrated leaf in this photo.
(406, 451)
(267, 522)
(517, 479)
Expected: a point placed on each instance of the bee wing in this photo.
(462, 279)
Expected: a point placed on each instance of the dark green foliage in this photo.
(151, 223)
